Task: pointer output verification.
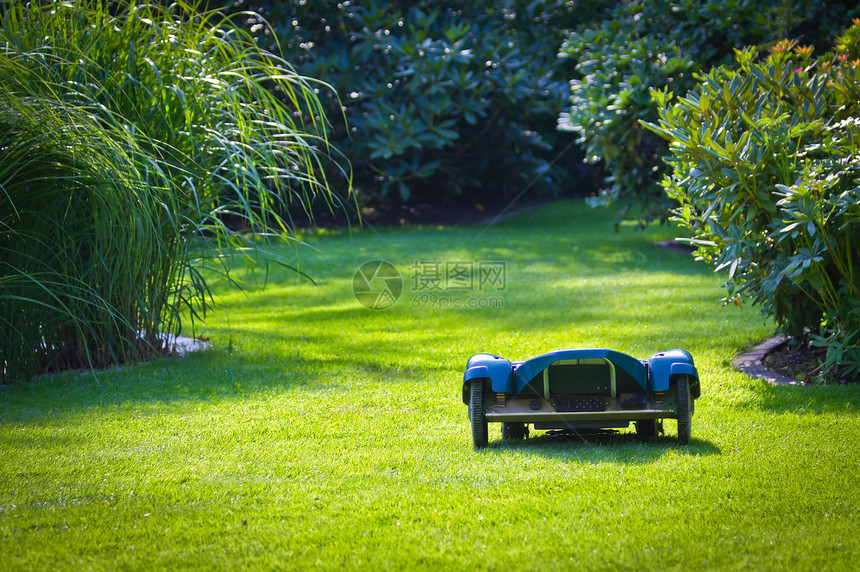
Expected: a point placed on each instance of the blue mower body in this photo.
(569, 390)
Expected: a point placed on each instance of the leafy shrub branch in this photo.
(764, 166)
(639, 46)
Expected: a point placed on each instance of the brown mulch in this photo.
(796, 361)
(783, 361)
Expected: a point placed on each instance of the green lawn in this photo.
(319, 434)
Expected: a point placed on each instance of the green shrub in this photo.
(658, 44)
(443, 100)
(124, 135)
(618, 67)
(764, 166)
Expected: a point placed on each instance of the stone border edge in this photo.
(749, 362)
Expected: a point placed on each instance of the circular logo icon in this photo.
(377, 284)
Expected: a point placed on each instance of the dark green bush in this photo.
(657, 44)
(442, 99)
(618, 67)
(764, 166)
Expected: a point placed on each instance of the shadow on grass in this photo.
(605, 447)
(209, 376)
(324, 340)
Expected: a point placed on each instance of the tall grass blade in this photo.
(127, 136)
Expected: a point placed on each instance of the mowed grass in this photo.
(317, 434)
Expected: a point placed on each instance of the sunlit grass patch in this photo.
(319, 434)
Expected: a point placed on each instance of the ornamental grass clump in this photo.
(764, 166)
(127, 134)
